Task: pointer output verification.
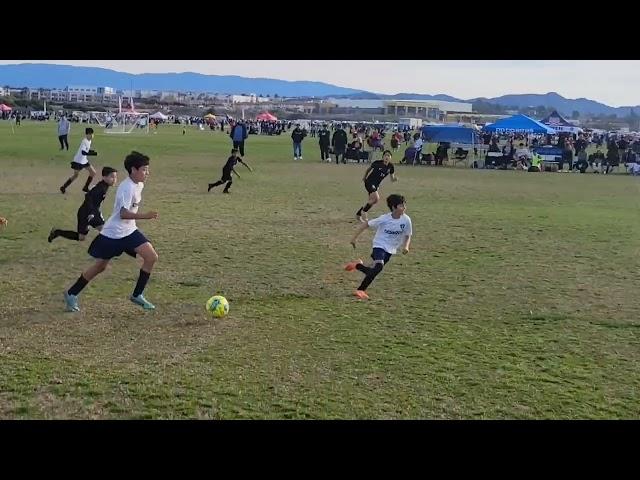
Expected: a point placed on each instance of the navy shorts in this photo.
(105, 248)
(370, 187)
(380, 254)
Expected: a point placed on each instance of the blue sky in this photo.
(609, 81)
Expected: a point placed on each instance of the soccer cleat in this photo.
(143, 302)
(72, 302)
(52, 235)
(210, 187)
(300, 158)
(351, 266)
(63, 190)
(226, 191)
(361, 294)
(295, 158)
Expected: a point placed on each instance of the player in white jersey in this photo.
(394, 231)
(120, 235)
(80, 162)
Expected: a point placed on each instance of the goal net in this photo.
(125, 122)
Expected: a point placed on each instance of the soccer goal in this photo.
(125, 122)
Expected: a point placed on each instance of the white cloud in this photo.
(607, 81)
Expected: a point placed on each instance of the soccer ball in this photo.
(217, 306)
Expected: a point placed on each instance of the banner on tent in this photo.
(514, 130)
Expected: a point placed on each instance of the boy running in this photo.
(89, 214)
(373, 177)
(80, 162)
(393, 231)
(121, 235)
(227, 170)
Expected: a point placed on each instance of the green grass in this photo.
(518, 300)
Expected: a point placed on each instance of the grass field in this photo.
(518, 300)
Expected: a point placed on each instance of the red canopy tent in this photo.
(266, 117)
(5, 108)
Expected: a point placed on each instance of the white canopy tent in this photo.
(158, 116)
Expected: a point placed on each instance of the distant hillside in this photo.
(550, 100)
(59, 76)
(553, 100)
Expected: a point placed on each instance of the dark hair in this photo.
(394, 200)
(387, 151)
(135, 160)
(108, 171)
(88, 130)
(234, 150)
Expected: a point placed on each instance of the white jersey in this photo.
(85, 145)
(391, 232)
(128, 196)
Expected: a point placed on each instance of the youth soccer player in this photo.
(121, 235)
(393, 231)
(227, 170)
(80, 162)
(89, 214)
(373, 177)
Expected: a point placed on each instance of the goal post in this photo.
(121, 123)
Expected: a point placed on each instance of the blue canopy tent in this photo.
(519, 124)
(453, 134)
(449, 133)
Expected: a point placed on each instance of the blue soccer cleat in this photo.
(143, 302)
(71, 302)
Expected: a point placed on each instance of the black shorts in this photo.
(84, 223)
(226, 176)
(105, 248)
(380, 254)
(371, 187)
(79, 166)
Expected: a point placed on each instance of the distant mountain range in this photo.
(58, 76)
(549, 100)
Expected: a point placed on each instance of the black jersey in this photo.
(93, 198)
(379, 170)
(231, 162)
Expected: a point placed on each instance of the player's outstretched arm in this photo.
(246, 165)
(394, 178)
(127, 215)
(361, 228)
(233, 170)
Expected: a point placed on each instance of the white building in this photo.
(86, 93)
(251, 98)
(353, 103)
(106, 91)
(82, 90)
(425, 108)
(58, 95)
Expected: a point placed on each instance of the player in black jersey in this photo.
(227, 170)
(373, 177)
(89, 214)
